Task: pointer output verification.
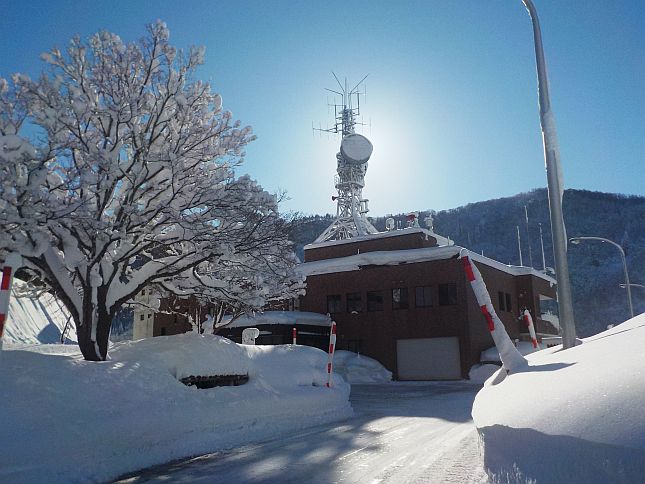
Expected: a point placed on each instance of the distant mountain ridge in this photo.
(596, 269)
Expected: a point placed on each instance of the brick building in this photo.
(402, 298)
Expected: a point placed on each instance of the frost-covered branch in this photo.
(134, 184)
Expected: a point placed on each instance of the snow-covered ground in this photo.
(64, 419)
(570, 416)
(401, 432)
(566, 416)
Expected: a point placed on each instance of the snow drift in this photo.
(574, 415)
(67, 419)
(355, 368)
(37, 320)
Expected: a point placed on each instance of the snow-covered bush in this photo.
(133, 184)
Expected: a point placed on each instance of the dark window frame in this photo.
(354, 302)
(509, 303)
(373, 303)
(501, 300)
(451, 294)
(403, 298)
(426, 299)
(334, 304)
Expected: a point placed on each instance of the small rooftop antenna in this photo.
(355, 150)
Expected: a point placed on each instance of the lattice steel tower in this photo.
(355, 151)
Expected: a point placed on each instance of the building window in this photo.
(400, 298)
(448, 294)
(333, 304)
(423, 296)
(142, 317)
(354, 302)
(375, 301)
(502, 301)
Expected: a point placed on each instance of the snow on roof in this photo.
(408, 256)
(279, 317)
(441, 240)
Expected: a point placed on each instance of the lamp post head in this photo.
(574, 241)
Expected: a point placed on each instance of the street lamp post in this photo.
(577, 240)
(632, 285)
(555, 187)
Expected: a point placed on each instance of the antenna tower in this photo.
(355, 150)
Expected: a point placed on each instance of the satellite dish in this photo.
(356, 148)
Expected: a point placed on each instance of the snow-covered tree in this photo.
(132, 184)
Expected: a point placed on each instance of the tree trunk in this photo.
(84, 332)
(85, 343)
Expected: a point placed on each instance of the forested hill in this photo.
(596, 268)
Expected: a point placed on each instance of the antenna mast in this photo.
(355, 150)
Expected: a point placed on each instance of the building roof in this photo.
(441, 240)
(288, 318)
(407, 256)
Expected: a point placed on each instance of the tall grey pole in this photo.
(519, 244)
(542, 246)
(555, 187)
(528, 235)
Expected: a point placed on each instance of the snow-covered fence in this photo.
(529, 323)
(332, 346)
(11, 264)
(511, 358)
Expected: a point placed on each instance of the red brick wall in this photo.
(375, 333)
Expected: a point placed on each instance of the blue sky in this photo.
(451, 93)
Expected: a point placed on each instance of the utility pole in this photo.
(528, 235)
(555, 187)
(542, 246)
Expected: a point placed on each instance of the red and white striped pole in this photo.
(332, 345)
(511, 358)
(294, 332)
(529, 323)
(11, 264)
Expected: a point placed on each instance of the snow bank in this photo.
(355, 368)
(573, 416)
(524, 347)
(40, 320)
(72, 420)
(480, 373)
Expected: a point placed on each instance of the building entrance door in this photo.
(428, 359)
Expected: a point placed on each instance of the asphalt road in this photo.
(400, 433)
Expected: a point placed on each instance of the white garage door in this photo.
(428, 359)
